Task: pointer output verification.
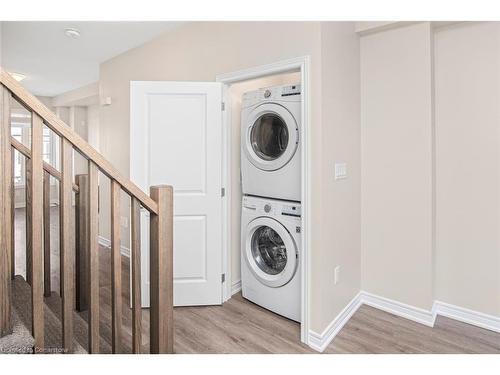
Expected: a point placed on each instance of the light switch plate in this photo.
(340, 171)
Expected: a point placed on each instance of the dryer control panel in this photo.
(290, 90)
(283, 93)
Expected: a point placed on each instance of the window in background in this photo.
(22, 133)
(47, 146)
(17, 133)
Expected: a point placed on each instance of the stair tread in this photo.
(80, 326)
(20, 340)
(21, 298)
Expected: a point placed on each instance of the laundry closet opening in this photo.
(263, 162)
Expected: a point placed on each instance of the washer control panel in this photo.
(271, 207)
(291, 210)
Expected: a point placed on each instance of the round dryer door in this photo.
(270, 252)
(271, 137)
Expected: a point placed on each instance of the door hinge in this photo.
(223, 277)
(223, 192)
(223, 106)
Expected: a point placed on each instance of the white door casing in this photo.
(176, 139)
(301, 64)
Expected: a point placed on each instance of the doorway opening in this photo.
(287, 72)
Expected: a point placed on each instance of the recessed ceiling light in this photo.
(17, 76)
(72, 33)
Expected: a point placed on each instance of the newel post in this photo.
(161, 272)
(5, 212)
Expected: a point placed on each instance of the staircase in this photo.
(21, 303)
(69, 323)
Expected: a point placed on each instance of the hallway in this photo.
(239, 326)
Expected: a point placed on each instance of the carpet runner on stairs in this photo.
(80, 326)
(21, 301)
(19, 341)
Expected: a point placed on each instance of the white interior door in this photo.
(176, 139)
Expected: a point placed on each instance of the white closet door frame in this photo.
(301, 64)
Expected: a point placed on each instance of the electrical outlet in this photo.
(336, 275)
(340, 171)
(124, 221)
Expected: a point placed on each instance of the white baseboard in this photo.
(403, 310)
(319, 341)
(104, 241)
(461, 314)
(235, 287)
(107, 243)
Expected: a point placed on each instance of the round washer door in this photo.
(270, 252)
(271, 137)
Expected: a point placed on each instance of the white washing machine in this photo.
(270, 260)
(270, 142)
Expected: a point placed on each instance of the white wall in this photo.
(430, 164)
(78, 122)
(341, 142)
(397, 167)
(93, 125)
(81, 96)
(79, 108)
(1, 49)
(365, 27)
(467, 76)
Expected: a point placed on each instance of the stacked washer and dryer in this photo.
(271, 210)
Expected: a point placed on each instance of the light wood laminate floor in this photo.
(239, 326)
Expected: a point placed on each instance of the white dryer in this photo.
(270, 142)
(270, 259)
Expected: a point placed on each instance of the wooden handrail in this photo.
(46, 166)
(63, 130)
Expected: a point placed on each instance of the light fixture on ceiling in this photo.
(17, 76)
(72, 33)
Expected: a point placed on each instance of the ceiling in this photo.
(55, 63)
